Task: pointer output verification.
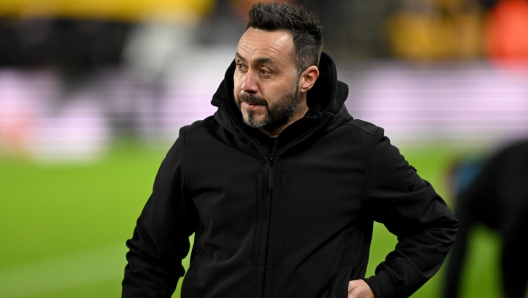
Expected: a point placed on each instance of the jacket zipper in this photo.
(271, 160)
(270, 169)
(270, 177)
(270, 163)
(271, 157)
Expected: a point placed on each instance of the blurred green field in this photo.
(63, 227)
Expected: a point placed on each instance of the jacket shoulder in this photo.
(364, 126)
(207, 122)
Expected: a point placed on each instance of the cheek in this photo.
(273, 94)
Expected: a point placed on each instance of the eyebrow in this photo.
(262, 60)
(240, 56)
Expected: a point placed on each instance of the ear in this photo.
(308, 78)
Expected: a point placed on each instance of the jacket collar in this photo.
(326, 102)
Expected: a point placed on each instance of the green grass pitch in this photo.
(63, 227)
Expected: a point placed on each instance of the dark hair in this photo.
(302, 25)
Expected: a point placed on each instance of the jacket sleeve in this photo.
(410, 208)
(161, 237)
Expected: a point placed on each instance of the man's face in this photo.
(266, 80)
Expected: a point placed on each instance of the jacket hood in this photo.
(327, 95)
(325, 98)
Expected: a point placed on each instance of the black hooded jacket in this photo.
(295, 221)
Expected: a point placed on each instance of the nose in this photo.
(249, 83)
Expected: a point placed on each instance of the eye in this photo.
(241, 66)
(264, 72)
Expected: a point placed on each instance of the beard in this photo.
(276, 115)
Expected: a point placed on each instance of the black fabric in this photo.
(498, 199)
(296, 223)
(268, 144)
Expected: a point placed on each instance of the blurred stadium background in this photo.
(92, 94)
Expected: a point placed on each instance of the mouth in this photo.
(251, 105)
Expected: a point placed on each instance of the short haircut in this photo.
(303, 26)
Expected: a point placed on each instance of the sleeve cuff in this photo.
(382, 285)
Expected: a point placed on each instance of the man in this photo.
(496, 196)
(281, 186)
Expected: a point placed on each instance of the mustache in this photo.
(252, 99)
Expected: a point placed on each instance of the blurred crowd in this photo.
(74, 74)
(74, 34)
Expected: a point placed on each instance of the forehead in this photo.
(257, 43)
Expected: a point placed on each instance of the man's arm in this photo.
(410, 208)
(161, 237)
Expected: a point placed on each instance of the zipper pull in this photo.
(270, 177)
